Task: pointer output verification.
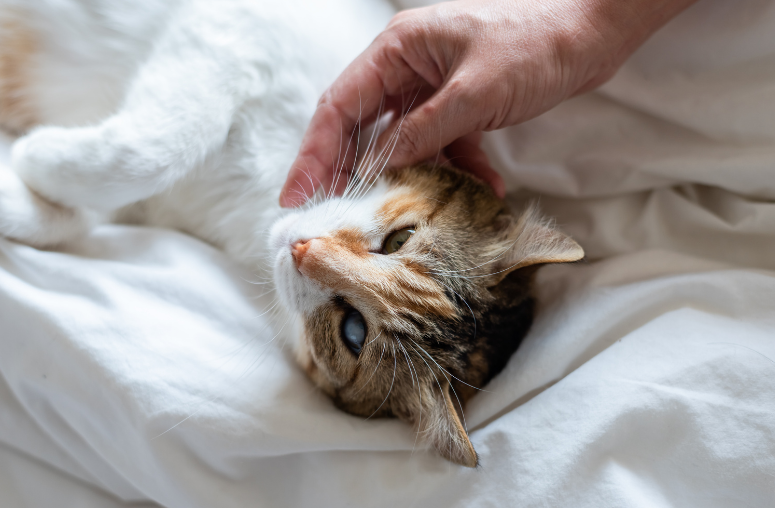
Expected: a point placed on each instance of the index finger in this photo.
(356, 94)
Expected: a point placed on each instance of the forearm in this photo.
(480, 65)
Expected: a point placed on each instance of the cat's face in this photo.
(413, 295)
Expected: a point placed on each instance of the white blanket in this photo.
(138, 367)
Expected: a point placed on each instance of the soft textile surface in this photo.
(138, 366)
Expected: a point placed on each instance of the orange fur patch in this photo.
(409, 203)
(343, 263)
(352, 240)
(17, 46)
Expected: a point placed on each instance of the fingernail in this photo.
(500, 189)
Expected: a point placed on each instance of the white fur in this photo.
(184, 113)
(26, 217)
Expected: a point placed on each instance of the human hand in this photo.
(470, 66)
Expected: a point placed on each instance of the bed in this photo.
(138, 368)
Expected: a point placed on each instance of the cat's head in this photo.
(413, 295)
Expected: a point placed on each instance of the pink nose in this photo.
(298, 250)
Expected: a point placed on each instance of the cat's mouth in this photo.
(296, 291)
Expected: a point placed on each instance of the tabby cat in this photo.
(410, 291)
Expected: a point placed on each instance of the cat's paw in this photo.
(12, 202)
(28, 218)
(99, 167)
(61, 164)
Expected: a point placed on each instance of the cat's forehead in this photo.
(386, 206)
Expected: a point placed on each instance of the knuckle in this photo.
(326, 99)
(391, 45)
(459, 20)
(401, 23)
(410, 146)
(412, 25)
(458, 86)
(399, 17)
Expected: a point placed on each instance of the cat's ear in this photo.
(442, 425)
(529, 240)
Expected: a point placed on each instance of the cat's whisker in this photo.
(394, 141)
(368, 179)
(412, 369)
(406, 355)
(367, 182)
(444, 373)
(506, 249)
(341, 168)
(308, 174)
(445, 370)
(359, 124)
(371, 145)
(258, 277)
(353, 181)
(375, 370)
(464, 301)
(301, 200)
(433, 373)
(392, 381)
(440, 149)
(256, 283)
(383, 155)
(338, 156)
(372, 340)
(308, 202)
(267, 311)
(258, 297)
(469, 277)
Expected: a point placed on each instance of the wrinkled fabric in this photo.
(142, 366)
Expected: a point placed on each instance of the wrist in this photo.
(599, 35)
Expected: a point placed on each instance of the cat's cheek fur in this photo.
(304, 356)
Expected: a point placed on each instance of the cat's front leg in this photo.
(175, 117)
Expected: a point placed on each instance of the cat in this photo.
(410, 291)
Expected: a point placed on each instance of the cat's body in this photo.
(188, 113)
(178, 90)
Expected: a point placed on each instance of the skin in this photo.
(470, 66)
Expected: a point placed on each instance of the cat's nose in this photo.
(298, 250)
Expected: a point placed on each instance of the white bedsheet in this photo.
(137, 367)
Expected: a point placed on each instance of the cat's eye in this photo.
(396, 240)
(354, 331)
